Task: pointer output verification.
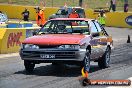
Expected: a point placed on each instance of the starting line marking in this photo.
(9, 55)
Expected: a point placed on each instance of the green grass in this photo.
(57, 3)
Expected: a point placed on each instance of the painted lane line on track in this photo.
(9, 55)
(122, 86)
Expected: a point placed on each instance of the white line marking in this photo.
(9, 55)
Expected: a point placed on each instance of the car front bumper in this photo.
(59, 55)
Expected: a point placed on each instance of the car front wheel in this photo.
(87, 61)
(104, 62)
(29, 66)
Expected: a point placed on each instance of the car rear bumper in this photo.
(60, 55)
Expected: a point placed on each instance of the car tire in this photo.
(87, 61)
(29, 66)
(55, 64)
(104, 62)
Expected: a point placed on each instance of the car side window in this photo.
(98, 26)
(92, 27)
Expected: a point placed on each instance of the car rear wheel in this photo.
(87, 61)
(29, 66)
(104, 62)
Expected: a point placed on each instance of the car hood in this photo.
(54, 39)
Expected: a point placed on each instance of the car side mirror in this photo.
(95, 34)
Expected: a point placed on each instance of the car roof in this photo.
(76, 7)
(85, 19)
(73, 7)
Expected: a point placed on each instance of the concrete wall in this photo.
(10, 39)
(115, 19)
(14, 11)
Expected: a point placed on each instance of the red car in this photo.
(68, 40)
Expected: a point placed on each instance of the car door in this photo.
(95, 31)
(103, 38)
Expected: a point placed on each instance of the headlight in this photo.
(29, 46)
(69, 47)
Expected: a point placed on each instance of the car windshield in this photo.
(59, 11)
(65, 26)
(78, 10)
(81, 13)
